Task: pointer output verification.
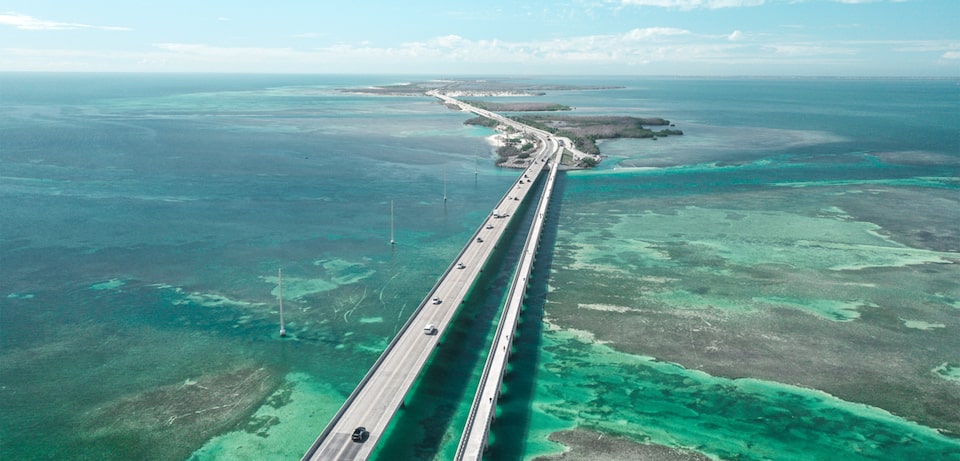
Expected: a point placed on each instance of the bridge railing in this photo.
(403, 329)
(519, 283)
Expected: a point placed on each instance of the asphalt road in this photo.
(376, 400)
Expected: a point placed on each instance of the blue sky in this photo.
(433, 37)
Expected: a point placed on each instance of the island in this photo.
(513, 148)
(584, 131)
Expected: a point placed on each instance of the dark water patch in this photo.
(650, 401)
(593, 446)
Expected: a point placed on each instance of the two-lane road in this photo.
(375, 401)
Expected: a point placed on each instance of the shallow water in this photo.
(778, 289)
(143, 229)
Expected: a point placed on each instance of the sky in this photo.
(847, 38)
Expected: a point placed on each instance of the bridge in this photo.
(381, 392)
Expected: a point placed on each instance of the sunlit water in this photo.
(779, 283)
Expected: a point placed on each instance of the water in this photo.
(778, 283)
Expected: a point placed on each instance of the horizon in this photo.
(649, 38)
(433, 77)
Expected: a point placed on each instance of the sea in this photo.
(781, 282)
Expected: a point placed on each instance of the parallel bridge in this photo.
(381, 392)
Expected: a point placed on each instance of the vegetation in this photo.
(518, 106)
(585, 131)
(481, 121)
(508, 150)
(475, 88)
(588, 162)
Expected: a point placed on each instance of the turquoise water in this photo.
(778, 283)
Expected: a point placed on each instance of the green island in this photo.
(472, 88)
(518, 106)
(583, 131)
(514, 149)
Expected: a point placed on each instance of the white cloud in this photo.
(853, 2)
(447, 41)
(694, 4)
(652, 49)
(216, 52)
(25, 22)
(807, 50)
(653, 32)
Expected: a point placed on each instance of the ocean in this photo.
(780, 282)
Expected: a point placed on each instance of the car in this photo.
(460, 265)
(430, 329)
(489, 226)
(479, 240)
(360, 434)
(436, 300)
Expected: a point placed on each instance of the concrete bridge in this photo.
(381, 392)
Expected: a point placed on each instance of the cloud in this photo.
(693, 4)
(25, 22)
(856, 2)
(447, 41)
(809, 50)
(651, 50)
(653, 32)
(202, 51)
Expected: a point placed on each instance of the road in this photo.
(473, 439)
(381, 392)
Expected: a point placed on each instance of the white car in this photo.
(436, 300)
(430, 329)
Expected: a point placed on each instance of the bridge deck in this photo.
(382, 391)
(473, 440)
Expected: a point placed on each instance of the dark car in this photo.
(360, 434)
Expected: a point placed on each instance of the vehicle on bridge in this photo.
(360, 434)
(436, 300)
(430, 329)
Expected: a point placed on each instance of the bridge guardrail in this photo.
(531, 246)
(403, 329)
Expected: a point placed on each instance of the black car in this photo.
(360, 434)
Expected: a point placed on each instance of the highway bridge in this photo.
(381, 392)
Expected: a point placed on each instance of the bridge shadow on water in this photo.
(512, 424)
(435, 410)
